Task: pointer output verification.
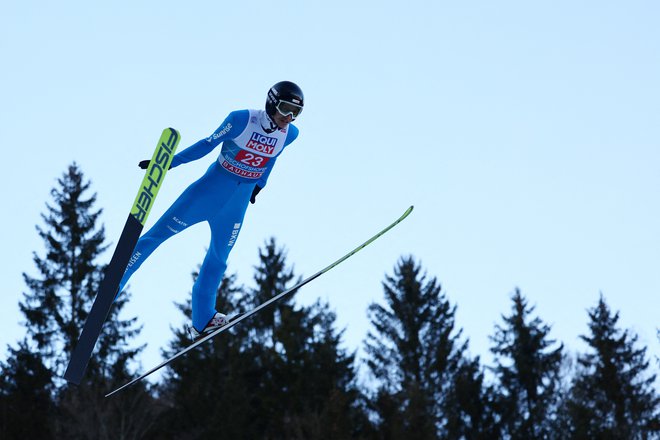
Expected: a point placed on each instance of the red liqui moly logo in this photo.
(263, 144)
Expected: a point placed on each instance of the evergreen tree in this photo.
(315, 377)
(271, 277)
(527, 367)
(55, 309)
(26, 396)
(468, 406)
(306, 382)
(613, 394)
(56, 305)
(278, 374)
(414, 353)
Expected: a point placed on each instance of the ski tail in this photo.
(153, 179)
(238, 318)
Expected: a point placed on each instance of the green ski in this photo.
(160, 163)
(238, 318)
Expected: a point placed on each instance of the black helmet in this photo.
(285, 97)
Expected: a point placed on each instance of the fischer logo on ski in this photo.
(158, 166)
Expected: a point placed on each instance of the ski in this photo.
(160, 163)
(238, 318)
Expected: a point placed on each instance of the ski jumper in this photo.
(220, 197)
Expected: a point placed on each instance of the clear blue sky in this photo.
(526, 134)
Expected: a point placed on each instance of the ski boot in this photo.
(218, 320)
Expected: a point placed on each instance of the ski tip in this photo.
(172, 132)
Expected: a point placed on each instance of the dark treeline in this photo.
(283, 374)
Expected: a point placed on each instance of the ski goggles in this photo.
(286, 108)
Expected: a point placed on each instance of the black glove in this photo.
(255, 191)
(144, 164)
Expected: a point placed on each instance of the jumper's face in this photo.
(286, 111)
(281, 120)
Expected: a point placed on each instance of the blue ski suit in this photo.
(249, 150)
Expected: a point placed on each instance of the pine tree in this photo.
(527, 367)
(468, 406)
(271, 277)
(316, 377)
(278, 374)
(613, 394)
(413, 352)
(55, 309)
(307, 382)
(26, 395)
(266, 382)
(55, 305)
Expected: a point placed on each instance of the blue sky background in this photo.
(525, 133)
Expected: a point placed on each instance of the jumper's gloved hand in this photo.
(144, 164)
(255, 191)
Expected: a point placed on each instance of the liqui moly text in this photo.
(262, 144)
